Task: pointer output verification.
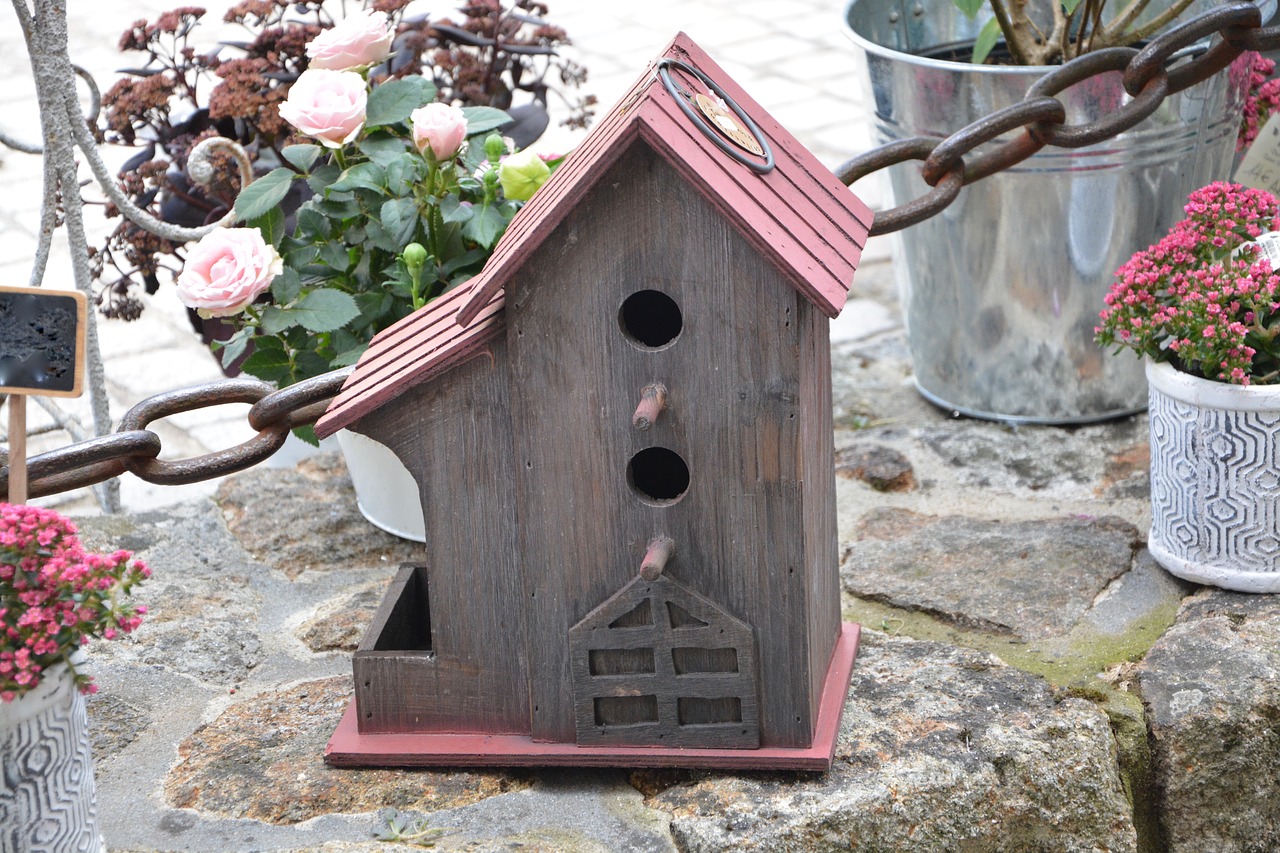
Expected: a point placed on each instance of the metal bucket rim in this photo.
(1268, 8)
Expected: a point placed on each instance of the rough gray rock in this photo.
(1032, 579)
(1031, 457)
(267, 509)
(1211, 685)
(941, 748)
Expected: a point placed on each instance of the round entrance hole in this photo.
(651, 318)
(658, 474)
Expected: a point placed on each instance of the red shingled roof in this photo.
(425, 344)
(799, 216)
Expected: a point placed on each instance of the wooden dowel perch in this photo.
(653, 401)
(656, 557)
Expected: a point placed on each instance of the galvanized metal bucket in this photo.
(1001, 291)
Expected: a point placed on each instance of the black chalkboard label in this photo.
(41, 341)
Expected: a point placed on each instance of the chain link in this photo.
(135, 449)
(1149, 76)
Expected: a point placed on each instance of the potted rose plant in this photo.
(1000, 291)
(408, 197)
(1202, 306)
(500, 53)
(54, 598)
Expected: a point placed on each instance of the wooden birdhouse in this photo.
(622, 432)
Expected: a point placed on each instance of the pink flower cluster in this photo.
(1263, 99)
(1201, 297)
(54, 597)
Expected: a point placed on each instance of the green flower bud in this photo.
(521, 174)
(494, 147)
(415, 255)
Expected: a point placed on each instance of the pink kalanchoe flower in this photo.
(1201, 296)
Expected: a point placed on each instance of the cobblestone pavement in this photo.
(792, 56)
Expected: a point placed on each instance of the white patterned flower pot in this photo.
(1215, 480)
(386, 493)
(47, 802)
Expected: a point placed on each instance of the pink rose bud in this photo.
(359, 40)
(327, 105)
(226, 271)
(440, 127)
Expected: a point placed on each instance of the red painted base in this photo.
(349, 748)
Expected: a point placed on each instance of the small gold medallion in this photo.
(724, 120)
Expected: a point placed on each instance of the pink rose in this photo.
(440, 127)
(327, 105)
(361, 39)
(227, 270)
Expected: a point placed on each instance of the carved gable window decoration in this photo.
(660, 664)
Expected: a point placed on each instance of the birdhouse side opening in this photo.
(650, 319)
(407, 624)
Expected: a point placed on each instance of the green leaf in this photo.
(485, 227)
(484, 119)
(271, 225)
(308, 434)
(309, 364)
(969, 7)
(399, 219)
(269, 361)
(334, 255)
(234, 347)
(1070, 6)
(466, 259)
(313, 222)
(325, 309)
(263, 194)
(452, 211)
(383, 150)
(360, 176)
(404, 171)
(276, 319)
(987, 39)
(303, 157)
(349, 356)
(323, 176)
(287, 286)
(393, 101)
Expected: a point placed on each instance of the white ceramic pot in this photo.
(47, 798)
(1215, 480)
(386, 492)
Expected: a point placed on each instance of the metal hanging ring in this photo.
(664, 74)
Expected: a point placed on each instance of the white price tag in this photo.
(1260, 167)
(1268, 247)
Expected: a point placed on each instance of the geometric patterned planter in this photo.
(47, 799)
(1215, 480)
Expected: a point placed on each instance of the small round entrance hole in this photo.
(658, 474)
(651, 319)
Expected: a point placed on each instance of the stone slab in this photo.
(941, 748)
(1211, 686)
(1031, 579)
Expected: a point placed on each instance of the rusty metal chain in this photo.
(1150, 75)
(135, 449)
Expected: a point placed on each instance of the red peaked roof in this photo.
(799, 216)
(423, 345)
